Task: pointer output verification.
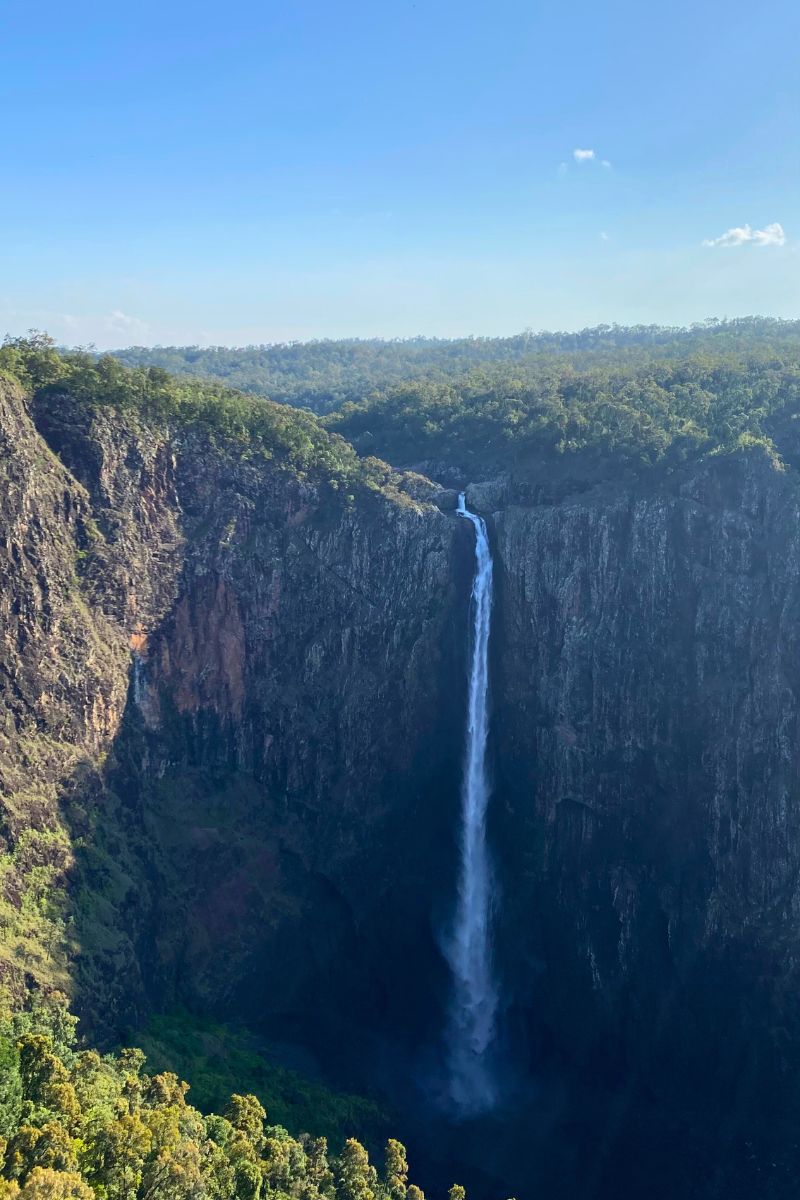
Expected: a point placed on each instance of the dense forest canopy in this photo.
(638, 412)
(321, 375)
(636, 397)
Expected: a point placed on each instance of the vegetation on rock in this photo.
(249, 426)
(80, 528)
(219, 1059)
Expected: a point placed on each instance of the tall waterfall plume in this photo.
(472, 1016)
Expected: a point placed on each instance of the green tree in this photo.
(117, 1155)
(355, 1178)
(318, 1170)
(10, 1087)
(396, 1170)
(33, 359)
(47, 1184)
(247, 1115)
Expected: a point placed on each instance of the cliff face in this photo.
(646, 734)
(63, 682)
(251, 684)
(297, 718)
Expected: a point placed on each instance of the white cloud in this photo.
(589, 156)
(604, 236)
(770, 235)
(120, 322)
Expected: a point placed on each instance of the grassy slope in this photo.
(221, 1059)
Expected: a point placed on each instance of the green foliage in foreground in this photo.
(76, 1125)
(249, 427)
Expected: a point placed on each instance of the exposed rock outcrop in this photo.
(63, 672)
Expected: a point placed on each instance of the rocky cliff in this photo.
(240, 694)
(63, 670)
(646, 733)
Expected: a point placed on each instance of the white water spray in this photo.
(469, 952)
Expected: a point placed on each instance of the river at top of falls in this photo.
(473, 1009)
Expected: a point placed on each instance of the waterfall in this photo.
(474, 998)
(139, 681)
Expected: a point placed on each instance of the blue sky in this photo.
(241, 172)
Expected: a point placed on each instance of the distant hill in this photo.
(322, 375)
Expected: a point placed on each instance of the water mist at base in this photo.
(471, 1024)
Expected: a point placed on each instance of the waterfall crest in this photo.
(474, 999)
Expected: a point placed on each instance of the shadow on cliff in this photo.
(198, 883)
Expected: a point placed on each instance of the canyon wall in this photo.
(256, 690)
(646, 746)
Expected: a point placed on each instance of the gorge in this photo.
(236, 685)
